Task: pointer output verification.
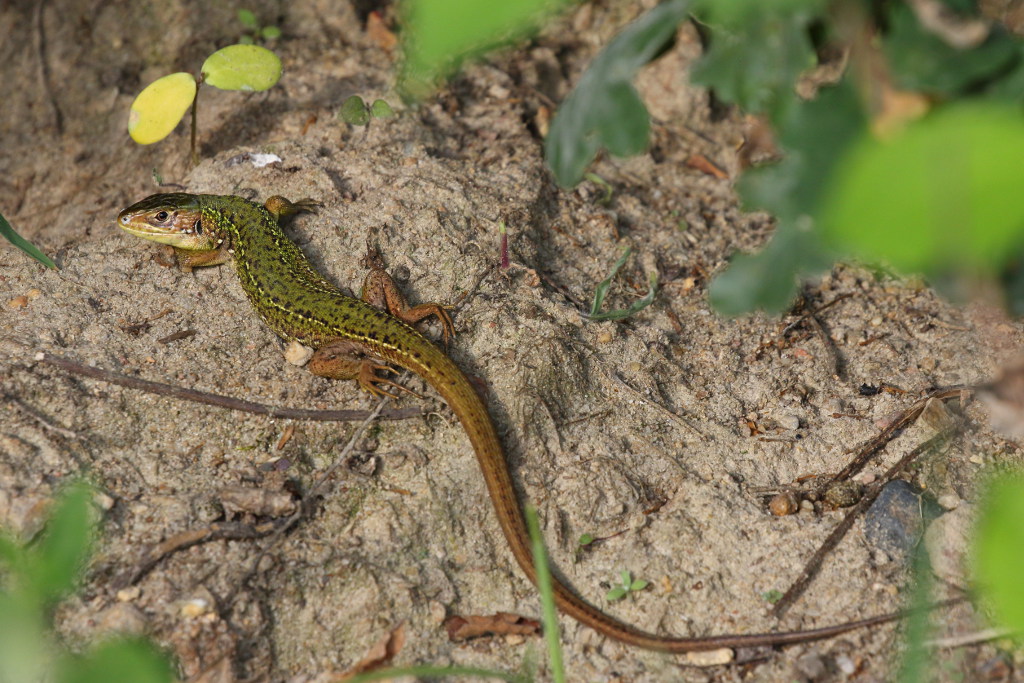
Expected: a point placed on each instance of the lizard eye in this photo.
(198, 227)
(161, 216)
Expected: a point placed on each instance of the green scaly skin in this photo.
(300, 305)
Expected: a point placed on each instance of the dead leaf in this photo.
(379, 33)
(702, 164)
(380, 654)
(501, 623)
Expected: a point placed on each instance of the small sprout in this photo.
(355, 112)
(242, 67)
(504, 245)
(772, 596)
(160, 106)
(157, 177)
(628, 585)
(248, 20)
(602, 290)
(255, 31)
(21, 243)
(586, 539)
(598, 180)
(381, 109)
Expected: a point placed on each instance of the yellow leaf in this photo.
(159, 108)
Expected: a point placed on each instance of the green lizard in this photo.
(354, 339)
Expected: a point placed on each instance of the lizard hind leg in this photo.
(381, 291)
(345, 360)
(279, 207)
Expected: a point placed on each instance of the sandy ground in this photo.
(660, 432)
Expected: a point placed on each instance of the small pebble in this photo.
(711, 657)
(783, 504)
(843, 494)
(129, 594)
(297, 354)
(949, 501)
(893, 522)
(194, 608)
(947, 540)
(790, 422)
(811, 665)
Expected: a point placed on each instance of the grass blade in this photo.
(21, 243)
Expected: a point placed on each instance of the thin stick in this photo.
(309, 499)
(228, 402)
(813, 565)
(879, 442)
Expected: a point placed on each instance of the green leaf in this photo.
(354, 112)
(21, 243)
(270, 32)
(757, 53)
(616, 593)
(944, 195)
(381, 109)
(440, 34)
(118, 660)
(59, 558)
(549, 613)
(586, 539)
(772, 596)
(999, 550)
(248, 19)
(246, 40)
(767, 280)
(813, 135)
(922, 61)
(604, 110)
(242, 67)
(160, 106)
(626, 578)
(639, 585)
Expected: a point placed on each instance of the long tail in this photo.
(454, 387)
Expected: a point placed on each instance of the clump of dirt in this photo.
(658, 434)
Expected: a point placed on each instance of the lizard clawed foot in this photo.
(371, 382)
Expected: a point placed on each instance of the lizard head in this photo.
(175, 219)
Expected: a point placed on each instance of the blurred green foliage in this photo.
(34, 577)
(439, 35)
(999, 551)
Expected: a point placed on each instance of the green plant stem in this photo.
(549, 615)
(195, 105)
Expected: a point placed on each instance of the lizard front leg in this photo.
(381, 291)
(191, 258)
